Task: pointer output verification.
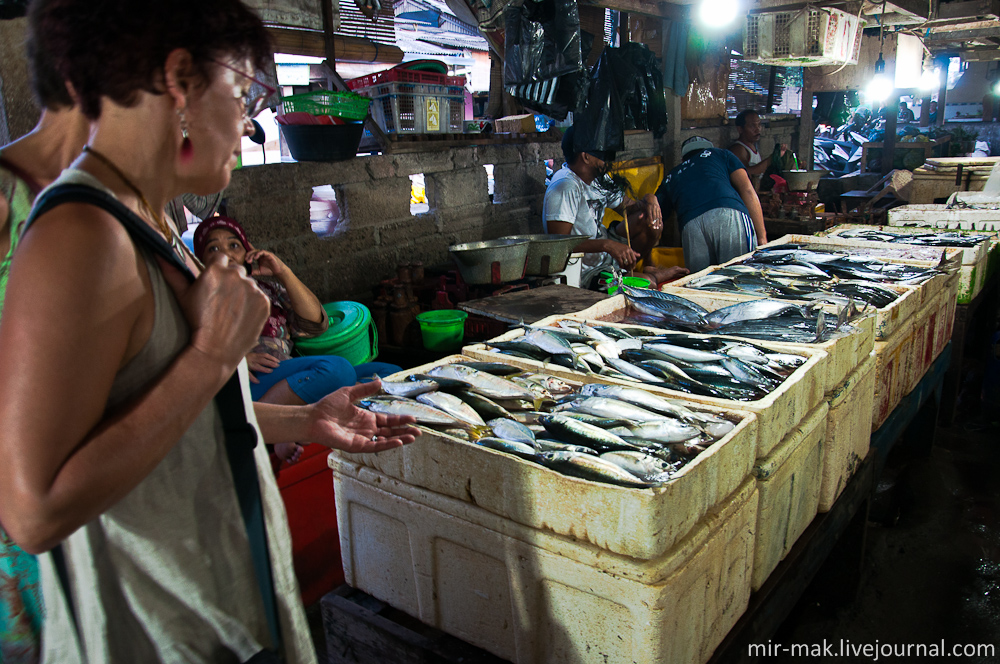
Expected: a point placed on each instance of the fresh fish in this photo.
(644, 466)
(682, 353)
(549, 445)
(597, 421)
(551, 383)
(512, 430)
(539, 392)
(483, 383)
(548, 342)
(495, 368)
(752, 310)
(591, 467)
(614, 409)
(452, 405)
(508, 446)
(408, 388)
(423, 413)
(486, 408)
(441, 382)
(568, 430)
(665, 431)
(630, 369)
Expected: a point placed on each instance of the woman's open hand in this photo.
(337, 423)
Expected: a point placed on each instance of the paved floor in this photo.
(931, 572)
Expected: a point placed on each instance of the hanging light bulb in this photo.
(718, 13)
(880, 87)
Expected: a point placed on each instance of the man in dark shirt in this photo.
(717, 208)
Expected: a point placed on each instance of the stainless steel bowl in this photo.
(548, 254)
(800, 179)
(475, 260)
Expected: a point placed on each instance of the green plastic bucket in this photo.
(442, 329)
(634, 282)
(351, 334)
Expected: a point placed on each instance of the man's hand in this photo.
(647, 211)
(625, 256)
(337, 423)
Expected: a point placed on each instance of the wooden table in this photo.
(927, 147)
(534, 304)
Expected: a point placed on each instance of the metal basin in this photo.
(799, 180)
(547, 254)
(492, 261)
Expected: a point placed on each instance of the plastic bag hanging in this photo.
(600, 126)
(543, 65)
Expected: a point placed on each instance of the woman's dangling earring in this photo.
(187, 149)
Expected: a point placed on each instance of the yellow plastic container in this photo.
(668, 256)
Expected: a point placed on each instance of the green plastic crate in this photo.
(347, 105)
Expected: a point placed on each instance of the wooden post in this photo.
(807, 129)
(889, 139)
(942, 91)
(925, 110)
(770, 90)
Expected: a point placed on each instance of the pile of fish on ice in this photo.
(721, 368)
(927, 239)
(815, 274)
(615, 434)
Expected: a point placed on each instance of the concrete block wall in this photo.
(373, 193)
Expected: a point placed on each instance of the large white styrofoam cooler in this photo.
(533, 597)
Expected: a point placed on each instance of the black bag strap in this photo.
(241, 437)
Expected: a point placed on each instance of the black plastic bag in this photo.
(543, 63)
(13, 8)
(600, 127)
(626, 92)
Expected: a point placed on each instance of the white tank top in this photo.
(754, 155)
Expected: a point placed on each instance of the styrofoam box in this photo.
(925, 328)
(777, 413)
(971, 274)
(532, 597)
(886, 319)
(789, 483)
(892, 360)
(970, 255)
(845, 352)
(905, 254)
(848, 431)
(946, 319)
(939, 216)
(641, 523)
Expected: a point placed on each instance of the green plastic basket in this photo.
(347, 105)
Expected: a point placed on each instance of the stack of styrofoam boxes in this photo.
(957, 219)
(789, 444)
(849, 389)
(903, 358)
(974, 260)
(538, 567)
(899, 354)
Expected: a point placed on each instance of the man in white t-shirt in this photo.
(575, 201)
